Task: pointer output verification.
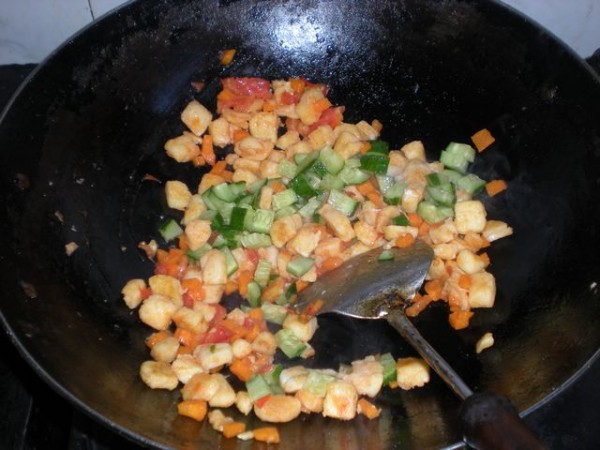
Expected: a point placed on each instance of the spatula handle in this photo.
(491, 422)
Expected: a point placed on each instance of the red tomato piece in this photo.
(332, 116)
(248, 86)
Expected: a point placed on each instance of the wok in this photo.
(90, 122)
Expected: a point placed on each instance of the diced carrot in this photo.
(368, 409)
(237, 331)
(298, 85)
(186, 337)
(486, 259)
(476, 241)
(198, 161)
(321, 105)
(269, 105)
(232, 429)
(376, 198)
(331, 263)
(460, 319)
(240, 134)
(377, 125)
(185, 350)
(414, 219)
(207, 151)
(494, 187)
(270, 435)
(434, 289)
(366, 187)
(365, 147)
(195, 409)
(256, 314)
(278, 186)
(193, 287)
(404, 240)
(157, 337)
(301, 285)
(244, 278)
(465, 281)
(227, 56)
(227, 175)
(253, 332)
(482, 139)
(219, 167)
(261, 401)
(393, 384)
(230, 287)
(424, 229)
(226, 95)
(419, 303)
(182, 243)
(313, 307)
(242, 368)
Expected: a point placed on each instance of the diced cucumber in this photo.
(330, 182)
(287, 169)
(170, 230)
(342, 202)
(442, 194)
(310, 208)
(386, 255)
(299, 265)
(389, 368)
(332, 161)
(379, 146)
(374, 162)
(457, 156)
(255, 240)
(230, 260)
(197, 254)
(385, 183)
(258, 387)
(261, 221)
(262, 272)
(285, 211)
(470, 183)
(224, 192)
(254, 293)
(289, 344)
(283, 199)
(393, 196)
(236, 220)
(274, 313)
(317, 381)
(353, 175)
(305, 184)
(432, 213)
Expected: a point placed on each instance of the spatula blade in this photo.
(363, 285)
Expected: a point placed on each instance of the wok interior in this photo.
(92, 121)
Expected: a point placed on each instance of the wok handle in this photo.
(491, 422)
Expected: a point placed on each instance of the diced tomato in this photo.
(252, 255)
(290, 98)
(145, 293)
(261, 401)
(220, 313)
(217, 335)
(188, 301)
(332, 116)
(160, 269)
(248, 86)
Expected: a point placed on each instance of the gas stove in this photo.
(33, 416)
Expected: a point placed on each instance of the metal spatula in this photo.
(366, 287)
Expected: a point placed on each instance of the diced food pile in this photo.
(288, 192)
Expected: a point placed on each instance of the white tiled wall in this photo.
(31, 29)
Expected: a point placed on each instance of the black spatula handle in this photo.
(491, 422)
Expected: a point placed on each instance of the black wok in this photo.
(90, 122)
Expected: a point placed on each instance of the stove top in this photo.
(35, 417)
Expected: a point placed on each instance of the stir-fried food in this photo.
(291, 192)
